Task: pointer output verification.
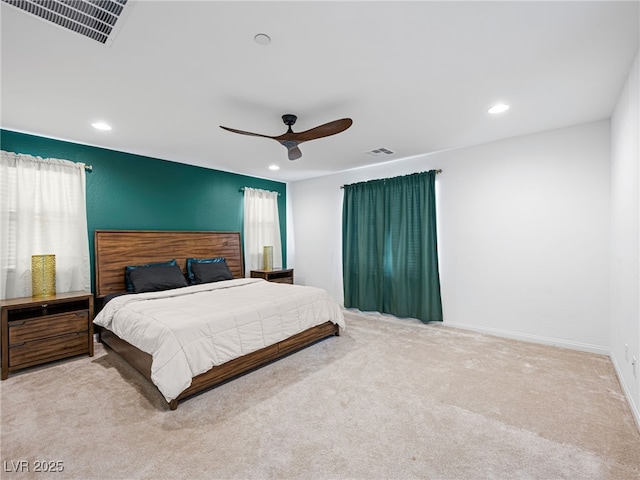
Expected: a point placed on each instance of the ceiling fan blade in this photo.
(325, 130)
(246, 133)
(294, 153)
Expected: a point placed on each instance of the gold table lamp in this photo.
(267, 258)
(43, 275)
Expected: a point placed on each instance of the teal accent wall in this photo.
(133, 192)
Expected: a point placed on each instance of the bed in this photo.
(306, 315)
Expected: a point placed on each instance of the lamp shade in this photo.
(43, 275)
(267, 258)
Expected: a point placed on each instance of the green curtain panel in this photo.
(389, 247)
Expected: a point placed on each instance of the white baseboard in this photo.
(634, 408)
(585, 347)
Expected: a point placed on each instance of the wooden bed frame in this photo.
(115, 249)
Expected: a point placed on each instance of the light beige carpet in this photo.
(389, 399)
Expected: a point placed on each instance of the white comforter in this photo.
(189, 330)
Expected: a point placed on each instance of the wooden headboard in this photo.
(115, 249)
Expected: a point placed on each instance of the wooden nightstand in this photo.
(279, 276)
(40, 330)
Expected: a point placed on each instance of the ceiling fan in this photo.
(290, 140)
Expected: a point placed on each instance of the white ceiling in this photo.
(415, 77)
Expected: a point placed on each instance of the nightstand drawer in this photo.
(52, 348)
(282, 280)
(47, 326)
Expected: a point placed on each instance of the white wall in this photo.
(625, 237)
(523, 234)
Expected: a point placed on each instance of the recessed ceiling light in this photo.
(274, 167)
(262, 39)
(498, 108)
(101, 126)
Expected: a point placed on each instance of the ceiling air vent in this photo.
(95, 19)
(379, 152)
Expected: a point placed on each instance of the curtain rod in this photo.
(242, 190)
(437, 171)
(88, 168)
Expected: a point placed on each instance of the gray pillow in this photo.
(129, 268)
(211, 272)
(191, 261)
(155, 278)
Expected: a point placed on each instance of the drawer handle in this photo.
(17, 324)
(18, 344)
(80, 314)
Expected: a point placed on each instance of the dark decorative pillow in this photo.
(211, 272)
(129, 268)
(192, 261)
(155, 278)
(111, 296)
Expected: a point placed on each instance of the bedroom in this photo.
(557, 263)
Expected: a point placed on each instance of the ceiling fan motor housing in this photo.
(289, 119)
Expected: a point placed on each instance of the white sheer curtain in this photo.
(261, 228)
(42, 211)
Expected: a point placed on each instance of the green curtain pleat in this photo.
(363, 254)
(389, 247)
